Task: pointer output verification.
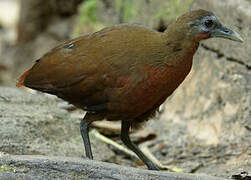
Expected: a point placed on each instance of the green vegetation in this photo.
(53, 138)
(174, 9)
(88, 17)
(77, 140)
(8, 168)
(125, 9)
(88, 11)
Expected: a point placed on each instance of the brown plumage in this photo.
(124, 72)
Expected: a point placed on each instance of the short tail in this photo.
(21, 78)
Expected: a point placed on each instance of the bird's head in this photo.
(201, 24)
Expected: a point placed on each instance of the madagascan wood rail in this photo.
(124, 72)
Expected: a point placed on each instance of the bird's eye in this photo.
(209, 23)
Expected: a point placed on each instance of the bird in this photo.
(124, 72)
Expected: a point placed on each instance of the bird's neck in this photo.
(180, 43)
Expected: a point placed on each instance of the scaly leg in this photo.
(124, 135)
(84, 129)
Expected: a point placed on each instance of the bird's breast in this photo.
(162, 81)
(152, 90)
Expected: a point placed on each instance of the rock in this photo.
(35, 124)
(41, 167)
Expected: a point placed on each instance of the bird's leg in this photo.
(84, 129)
(124, 135)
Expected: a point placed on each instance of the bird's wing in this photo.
(63, 66)
(117, 49)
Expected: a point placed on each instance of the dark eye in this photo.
(209, 23)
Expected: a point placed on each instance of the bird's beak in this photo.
(224, 32)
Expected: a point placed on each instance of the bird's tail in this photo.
(20, 81)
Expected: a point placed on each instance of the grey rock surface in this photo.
(36, 124)
(43, 168)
